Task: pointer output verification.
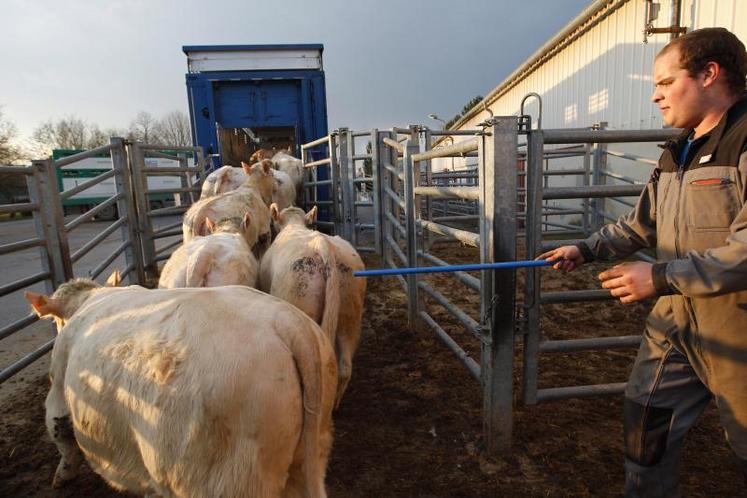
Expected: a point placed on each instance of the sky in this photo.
(387, 63)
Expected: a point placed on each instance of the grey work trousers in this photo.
(663, 399)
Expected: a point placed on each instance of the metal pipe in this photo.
(19, 324)
(632, 157)
(317, 183)
(561, 136)
(25, 361)
(594, 191)
(23, 282)
(394, 197)
(471, 365)
(176, 148)
(472, 325)
(92, 212)
(560, 393)
(97, 239)
(464, 236)
(314, 143)
(590, 344)
(169, 171)
(393, 144)
(458, 148)
(320, 162)
(20, 245)
(24, 207)
(166, 228)
(87, 184)
(167, 211)
(167, 233)
(82, 155)
(467, 193)
(396, 224)
(158, 191)
(18, 170)
(397, 250)
(394, 171)
(168, 246)
(104, 264)
(450, 133)
(467, 279)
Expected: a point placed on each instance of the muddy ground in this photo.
(410, 423)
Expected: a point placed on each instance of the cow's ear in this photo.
(266, 166)
(274, 212)
(246, 167)
(246, 222)
(311, 216)
(114, 279)
(210, 225)
(42, 305)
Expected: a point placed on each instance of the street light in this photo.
(436, 118)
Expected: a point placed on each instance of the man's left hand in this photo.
(630, 282)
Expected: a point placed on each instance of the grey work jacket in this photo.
(694, 215)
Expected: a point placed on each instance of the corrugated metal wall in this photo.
(605, 75)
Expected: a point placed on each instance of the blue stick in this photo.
(438, 269)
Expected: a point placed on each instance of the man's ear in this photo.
(114, 279)
(711, 74)
(311, 216)
(42, 305)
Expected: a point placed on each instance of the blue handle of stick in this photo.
(506, 265)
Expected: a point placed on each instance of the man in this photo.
(693, 212)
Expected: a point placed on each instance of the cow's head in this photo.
(291, 215)
(66, 300)
(259, 176)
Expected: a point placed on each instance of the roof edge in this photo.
(556, 43)
(232, 48)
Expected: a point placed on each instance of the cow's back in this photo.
(183, 391)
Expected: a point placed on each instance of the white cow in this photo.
(291, 166)
(313, 272)
(253, 196)
(221, 258)
(228, 178)
(193, 393)
(222, 180)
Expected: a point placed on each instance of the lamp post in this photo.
(436, 118)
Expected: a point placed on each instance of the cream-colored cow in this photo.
(312, 271)
(222, 180)
(221, 258)
(291, 166)
(253, 196)
(189, 392)
(284, 190)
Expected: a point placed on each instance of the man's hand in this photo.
(568, 257)
(630, 282)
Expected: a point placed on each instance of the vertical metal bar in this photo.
(376, 188)
(352, 194)
(600, 165)
(145, 225)
(498, 185)
(126, 207)
(533, 227)
(334, 174)
(427, 144)
(409, 170)
(585, 181)
(347, 195)
(50, 224)
(306, 178)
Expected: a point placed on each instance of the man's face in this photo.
(678, 95)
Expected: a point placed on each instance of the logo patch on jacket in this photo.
(711, 181)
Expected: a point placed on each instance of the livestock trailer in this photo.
(246, 97)
(72, 175)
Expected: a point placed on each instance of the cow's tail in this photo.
(199, 265)
(316, 366)
(331, 290)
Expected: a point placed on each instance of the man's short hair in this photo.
(698, 48)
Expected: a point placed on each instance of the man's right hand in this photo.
(568, 258)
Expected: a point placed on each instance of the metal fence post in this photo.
(498, 196)
(123, 182)
(144, 224)
(349, 186)
(598, 178)
(427, 145)
(410, 172)
(50, 223)
(533, 228)
(376, 189)
(344, 161)
(334, 175)
(585, 218)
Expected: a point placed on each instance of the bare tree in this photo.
(143, 128)
(174, 129)
(8, 151)
(66, 133)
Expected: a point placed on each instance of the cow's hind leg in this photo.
(345, 345)
(60, 429)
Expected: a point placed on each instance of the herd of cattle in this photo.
(222, 382)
